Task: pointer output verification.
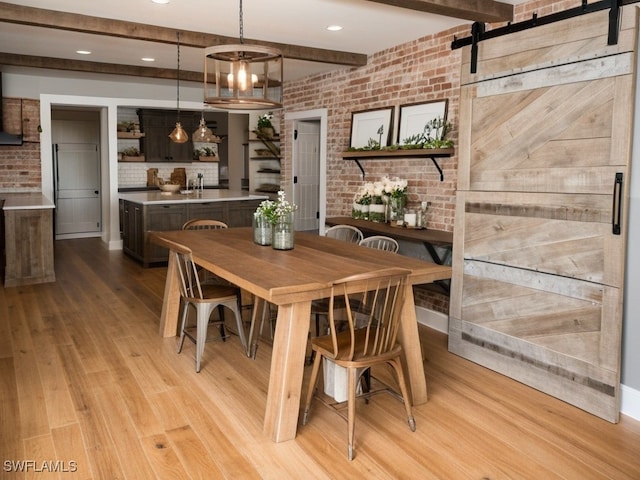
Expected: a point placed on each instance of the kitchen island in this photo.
(142, 212)
(27, 239)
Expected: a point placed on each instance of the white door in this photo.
(76, 136)
(307, 174)
(77, 177)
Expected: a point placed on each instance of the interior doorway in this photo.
(306, 179)
(76, 173)
(309, 158)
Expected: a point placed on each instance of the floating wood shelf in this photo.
(431, 153)
(130, 135)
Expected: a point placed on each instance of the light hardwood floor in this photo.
(87, 382)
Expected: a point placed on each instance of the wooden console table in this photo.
(428, 237)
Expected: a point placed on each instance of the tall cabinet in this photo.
(540, 233)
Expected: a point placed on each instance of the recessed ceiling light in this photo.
(83, 52)
(162, 2)
(148, 59)
(334, 28)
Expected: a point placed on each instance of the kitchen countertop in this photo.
(25, 201)
(151, 198)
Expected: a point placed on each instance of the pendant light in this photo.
(203, 134)
(246, 77)
(178, 135)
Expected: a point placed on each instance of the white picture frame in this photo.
(367, 124)
(413, 117)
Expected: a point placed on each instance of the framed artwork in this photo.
(414, 117)
(371, 125)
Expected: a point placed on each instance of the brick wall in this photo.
(20, 169)
(419, 71)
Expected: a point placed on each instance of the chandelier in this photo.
(246, 77)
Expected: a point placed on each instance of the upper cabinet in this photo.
(156, 126)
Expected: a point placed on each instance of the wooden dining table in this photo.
(292, 279)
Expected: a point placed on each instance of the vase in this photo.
(261, 230)
(377, 210)
(396, 210)
(359, 211)
(267, 132)
(282, 235)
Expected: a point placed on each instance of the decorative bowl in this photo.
(169, 187)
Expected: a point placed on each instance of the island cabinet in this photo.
(132, 229)
(28, 246)
(139, 218)
(159, 218)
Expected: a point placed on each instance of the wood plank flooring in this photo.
(89, 390)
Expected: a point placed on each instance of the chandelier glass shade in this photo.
(243, 77)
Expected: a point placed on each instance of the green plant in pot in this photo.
(265, 127)
(131, 152)
(204, 152)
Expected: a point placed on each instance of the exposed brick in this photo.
(20, 165)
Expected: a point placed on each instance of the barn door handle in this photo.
(617, 204)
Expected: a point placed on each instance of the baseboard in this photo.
(432, 319)
(630, 402)
(115, 245)
(69, 236)
(629, 397)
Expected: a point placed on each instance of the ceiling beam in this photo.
(489, 11)
(97, 67)
(39, 17)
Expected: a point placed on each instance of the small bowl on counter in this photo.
(169, 188)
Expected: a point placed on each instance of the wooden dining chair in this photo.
(369, 340)
(381, 242)
(203, 299)
(347, 233)
(203, 224)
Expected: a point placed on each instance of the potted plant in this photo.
(273, 223)
(206, 154)
(265, 128)
(132, 154)
(396, 192)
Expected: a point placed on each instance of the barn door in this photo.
(539, 240)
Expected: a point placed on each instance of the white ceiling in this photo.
(368, 27)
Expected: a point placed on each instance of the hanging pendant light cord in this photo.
(178, 78)
(241, 27)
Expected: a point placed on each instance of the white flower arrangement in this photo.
(395, 188)
(272, 210)
(370, 192)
